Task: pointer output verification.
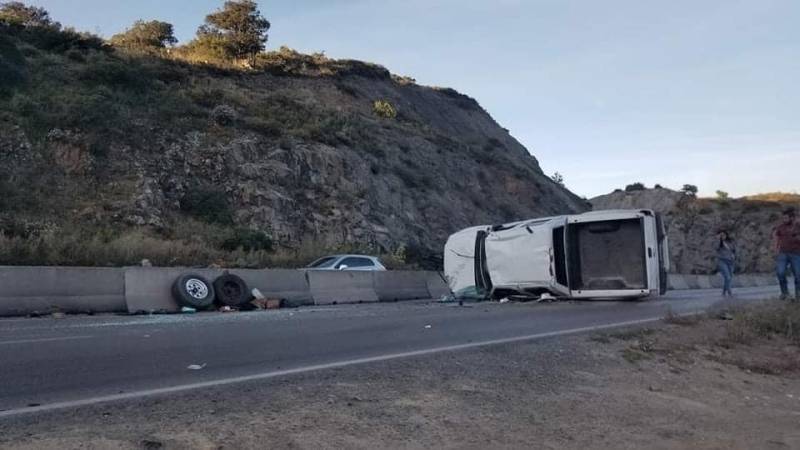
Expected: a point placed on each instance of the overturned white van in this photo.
(600, 254)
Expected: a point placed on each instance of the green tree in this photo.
(558, 178)
(690, 190)
(18, 13)
(240, 26)
(152, 35)
(722, 195)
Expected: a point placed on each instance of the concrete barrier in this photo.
(26, 290)
(681, 282)
(703, 282)
(286, 284)
(677, 282)
(437, 286)
(334, 287)
(150, 288)
(392, 286)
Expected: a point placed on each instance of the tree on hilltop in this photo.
(152, 35)
(239, 27)
(18, 13)
(690, 190)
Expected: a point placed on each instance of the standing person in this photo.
(786, 240)
(726, 260)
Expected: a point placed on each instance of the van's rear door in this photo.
(611, 254)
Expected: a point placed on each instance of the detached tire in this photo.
(193, 291)
(231, 290)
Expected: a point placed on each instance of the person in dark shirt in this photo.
(726, 260)
(786, 238)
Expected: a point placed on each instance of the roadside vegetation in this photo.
(193, 244)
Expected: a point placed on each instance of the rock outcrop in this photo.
(120, 144)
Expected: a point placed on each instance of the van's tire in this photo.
(194, 291)
(231, 290)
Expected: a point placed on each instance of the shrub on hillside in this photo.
(208, 204)
(208, 49)
(20, 14)
(224, 115)
(384, 109)
(248, 240)
(146, 36)
(12, 66)
(113, 71)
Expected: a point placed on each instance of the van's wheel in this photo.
(194, 291)
(231, 290)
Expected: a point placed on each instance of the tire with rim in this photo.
(194, 291)
(231, 290)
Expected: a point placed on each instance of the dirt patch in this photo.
(684, 384)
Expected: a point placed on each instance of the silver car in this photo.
(347, 262)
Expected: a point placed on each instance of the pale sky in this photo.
(607, 92)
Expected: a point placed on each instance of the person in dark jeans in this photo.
(786, 237)
(726, 261)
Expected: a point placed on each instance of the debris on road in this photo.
(273, 303)
(197, 367)
(505, 300)
(725, 315)
(267, 303)
(257, 295)
(428, 327)
(546, 297)
(188, 310)
(194, 291)
(226, 309)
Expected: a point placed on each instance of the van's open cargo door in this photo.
(483, 282)
(663, 255)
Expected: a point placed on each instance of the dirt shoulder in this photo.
(707, 383)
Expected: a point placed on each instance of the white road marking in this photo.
(53, 339)
(318, 367)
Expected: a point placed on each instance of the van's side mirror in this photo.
(343, 267)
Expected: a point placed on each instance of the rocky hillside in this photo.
(693, 223)
(107, 158)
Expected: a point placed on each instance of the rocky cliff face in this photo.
(99, 142)
(693, 223)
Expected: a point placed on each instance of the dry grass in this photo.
(194, 244)
(759, 338)
(780, 197)
(769, 320)
(683, 320)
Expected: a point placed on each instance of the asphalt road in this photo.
(48, 364)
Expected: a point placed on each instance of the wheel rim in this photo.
(231, 291)
(196, 288)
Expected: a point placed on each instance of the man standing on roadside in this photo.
(786, 237)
